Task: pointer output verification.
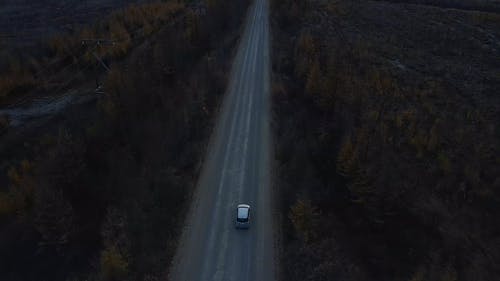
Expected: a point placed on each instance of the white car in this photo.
(243, 216)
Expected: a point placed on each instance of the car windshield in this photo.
(242, 215)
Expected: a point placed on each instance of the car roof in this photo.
(243, 206)
(243, 213)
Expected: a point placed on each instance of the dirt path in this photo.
(236, 171)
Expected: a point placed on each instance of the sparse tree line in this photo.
(104, 200)
(478, 5)
(57, 59)
(380, 178)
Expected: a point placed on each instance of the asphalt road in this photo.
(236, 170)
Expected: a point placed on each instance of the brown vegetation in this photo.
(388, 132)
(15, 80)
(126, 28)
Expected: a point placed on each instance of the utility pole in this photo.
(97, 43)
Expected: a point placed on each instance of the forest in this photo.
(386, 123)
(101, 193)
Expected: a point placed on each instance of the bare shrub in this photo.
(113, 264)
(54, 219)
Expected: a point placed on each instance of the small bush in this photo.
(485, 17)
(6, 204)
(13, 83)
(305, 218)
(4, 123)
(54, 219)
(22, 187)
(122, 39)
(306, 54)
(444, 162)
(347, 162)
(314, 80)
(114, 266)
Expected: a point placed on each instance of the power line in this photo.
(137, 34)
(99, 43)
